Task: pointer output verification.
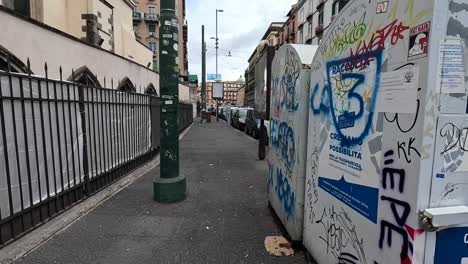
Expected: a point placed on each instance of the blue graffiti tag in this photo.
(285, 194)
(270, 174)
(289, 80)
(344, 67)
(282, 140)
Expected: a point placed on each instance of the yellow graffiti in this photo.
(392, 15)
(342, 85)
(413, 19)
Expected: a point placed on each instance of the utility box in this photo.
(387, 173)
(288, 134)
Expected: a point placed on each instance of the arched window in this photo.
(150, 90)
(84, 76)
(16, 65)
(127, 86)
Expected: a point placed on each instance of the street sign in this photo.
(218, 91)
(213, 76)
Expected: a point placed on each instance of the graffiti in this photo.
(350, 69)
(284, 86)
(396, 119)
(451, 188)
(289, 80)
(343, 35)
(282, 140)
(169, 155)
(393, 33)
(312, 188)
(341, 236)
(408, 150)
(399, 216)
(455, 137)
(285, 194)
(270, 174)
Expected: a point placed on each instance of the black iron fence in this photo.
(62, 141)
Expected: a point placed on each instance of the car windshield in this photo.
(243, 113)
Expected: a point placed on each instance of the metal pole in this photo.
(216, 43)
(203, 71)
(217, 102)
(171, 186)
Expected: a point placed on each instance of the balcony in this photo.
(320, 4)
(152, 17)
(136, 16)
(319, 29)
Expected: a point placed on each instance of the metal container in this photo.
(387, 173)
(288, 134)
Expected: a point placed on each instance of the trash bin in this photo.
(288, 134)
(387, 174)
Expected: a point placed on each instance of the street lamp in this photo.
(217, 46)
(217, 39)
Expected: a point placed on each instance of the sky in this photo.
(240, 29)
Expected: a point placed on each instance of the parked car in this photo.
(241, 116)
(221, 113)
(252, 123)
(232, 112)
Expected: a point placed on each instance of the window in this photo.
(152, 46)
(310, 29)
(152, 28)
(320, 17)
(135, 27)
(152, 10)
(22, 7)
(338, 6)
(135, 9)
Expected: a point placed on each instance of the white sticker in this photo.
(398, 91)
(464, 261)
(168, 36)
(167, 23)
(176, 47)
(451, 69)
(164, 52)
(169, 102)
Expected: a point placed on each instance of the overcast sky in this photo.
(240, 29)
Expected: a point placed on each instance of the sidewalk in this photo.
(224, 220)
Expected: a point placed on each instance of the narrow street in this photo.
(224, 220)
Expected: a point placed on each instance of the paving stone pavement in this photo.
(224, 220)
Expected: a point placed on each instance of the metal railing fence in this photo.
(62, 141)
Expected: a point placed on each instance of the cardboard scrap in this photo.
(278, 246)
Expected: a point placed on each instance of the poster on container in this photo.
(368, 84)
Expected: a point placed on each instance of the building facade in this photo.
(231, 91)
(106, 24)
(271, 35)
(69, 57)
(146, 27)
(288, 32)
(314, 17)
(241, 96)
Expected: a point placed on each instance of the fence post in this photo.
(81, 100)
